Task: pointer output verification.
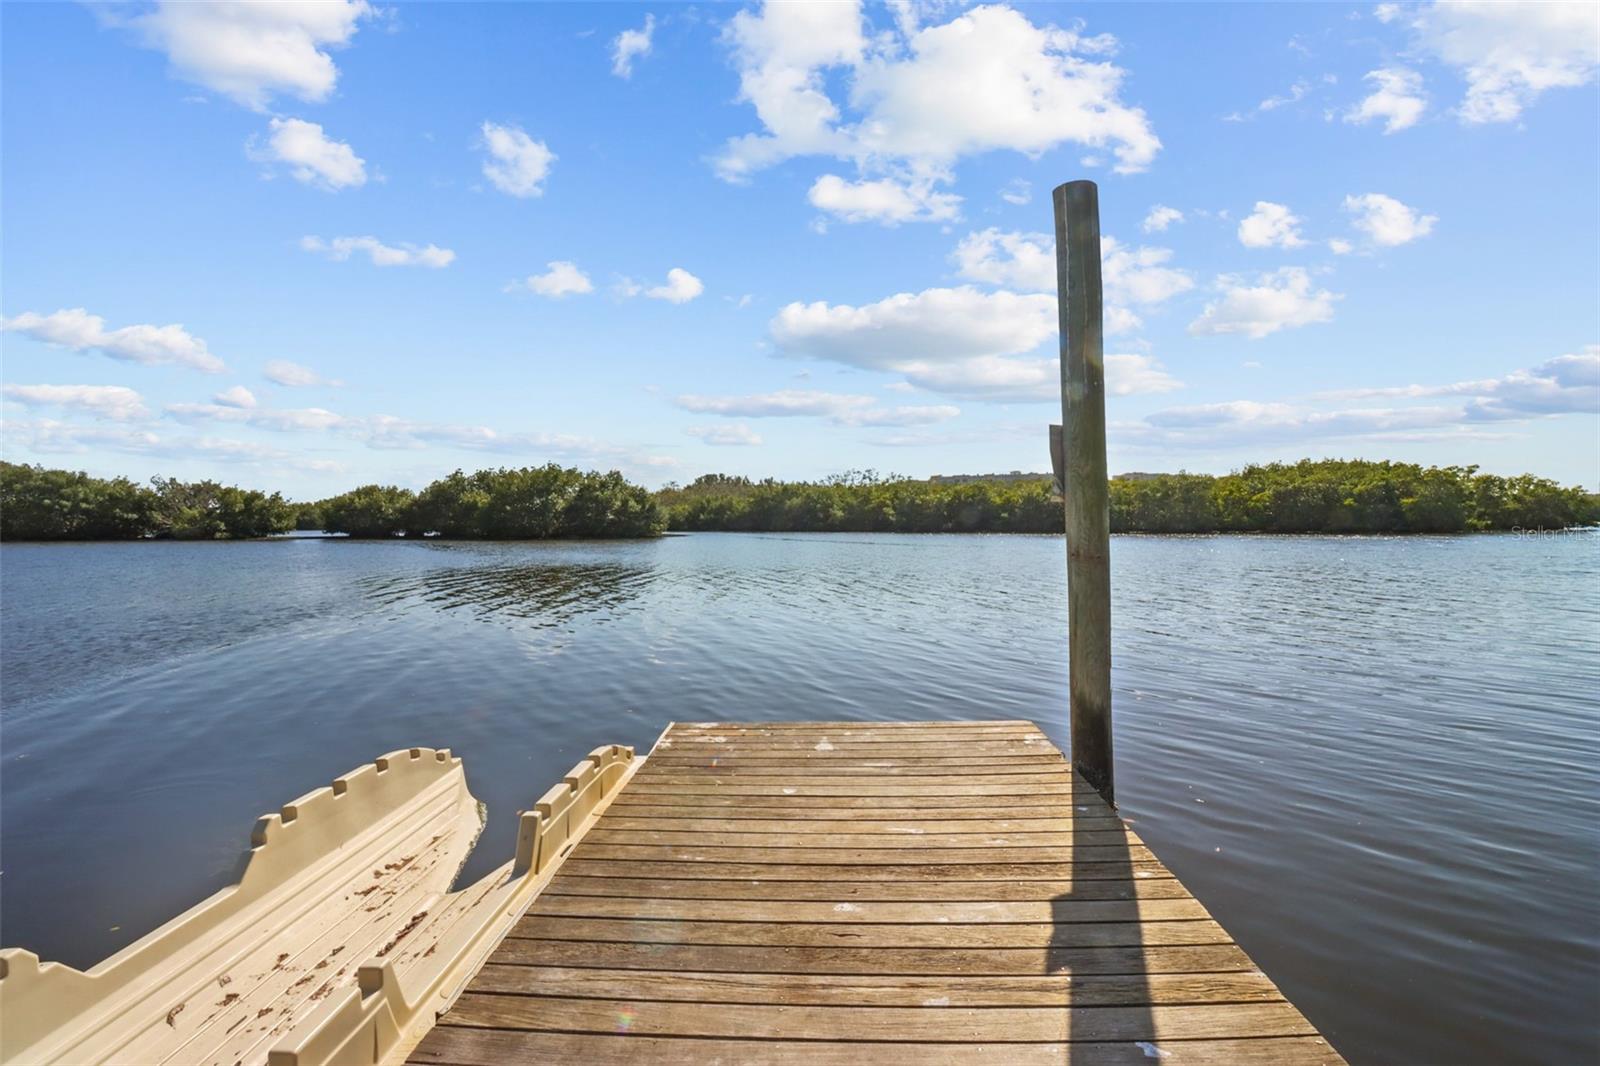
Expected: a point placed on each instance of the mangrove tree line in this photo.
(533, 502)
(1311, 496)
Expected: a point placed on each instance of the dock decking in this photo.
(840, 893)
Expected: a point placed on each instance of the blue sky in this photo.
(303, 247)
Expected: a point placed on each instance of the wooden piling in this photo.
(1088, 515)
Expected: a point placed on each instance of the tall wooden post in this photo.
(1088, 514)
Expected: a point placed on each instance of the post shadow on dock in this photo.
(1102, 873)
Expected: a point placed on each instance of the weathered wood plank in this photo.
(833, 891)
(866, 749)
(452, 1046)
(868, 990)
(858, 856)
(1080, 870)
(845, 759)
(780, 828)
(1014, 786)
(845, 807)
(1041, 937)
(852, 724)
(957, 1024)
(900, 840)
(845, 912)
(948, 961)
(836, 768)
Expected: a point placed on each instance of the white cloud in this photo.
(960, 342)
(936, 325)
(1387, 221)
(1160, 217)
(681, 287)
(886, 200)
(736, 435)
(238, 396)
(1397, 98)
(112, 402)
(1270, 226)
(563, 278)
(253, 51)
(517, 164)
(80, 331)
(1132, 277)
(1284, 299)
(1017, 191)
(293, 375)
(311, 156)
(342, 248)
(1340, 246)
(278, 420)
(845, 409)
(1140, 276)
(1296, 93)
(1137, 375)
(47, 436)
(1510, 54)
(922, 98)
(1016, 260)
(903, 416)
(630, 45)
(1567, 384)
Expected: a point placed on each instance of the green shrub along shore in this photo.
(536, 502)
(1311, 496)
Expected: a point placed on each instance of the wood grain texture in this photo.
(948, 893)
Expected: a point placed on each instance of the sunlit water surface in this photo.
(1373, 758)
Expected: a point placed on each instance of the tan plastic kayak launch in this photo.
(340, 943)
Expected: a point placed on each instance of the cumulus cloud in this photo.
(1396, 98)
(908, 103)
(251, 52)
(630, 45)
(1270, 225)
(1160, 217)
(1387, 221)
(680, 287)
(961, 342)
(886, 200)
(80, 331)
(112, 402)
(1509, 54)
(843, 409)
(562, 278)
(1132, 277)
(311, 155)
(342, 248)
(517, 164)
(293, 375)
(238, 396)
(1283, 299)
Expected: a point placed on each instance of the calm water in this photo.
(1374, 759)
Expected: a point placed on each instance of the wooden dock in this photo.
(840, 893)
